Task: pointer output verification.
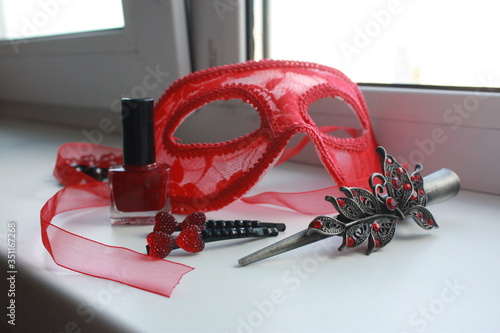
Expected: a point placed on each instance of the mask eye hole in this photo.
(218, 122)
(334, 111)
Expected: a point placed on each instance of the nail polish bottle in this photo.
(139, 188)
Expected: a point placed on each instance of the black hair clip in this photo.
(93, 167)
(195, 231)
(98, 173)
(230, 229)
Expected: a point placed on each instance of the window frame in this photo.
(44, 74)
(219, 31)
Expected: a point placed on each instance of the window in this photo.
(32, 18)
(80, 78)
(443, 43)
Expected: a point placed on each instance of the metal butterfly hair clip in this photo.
(373, 215)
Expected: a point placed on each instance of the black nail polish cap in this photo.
(138, 131)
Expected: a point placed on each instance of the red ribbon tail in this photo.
(92, 258)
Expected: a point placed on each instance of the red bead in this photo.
(350, 242)
(420, 216)
(416, 177)
(414, 195)
(407, 187)
(387, 173)
(430, 221)
(391, 203)
(317, 224)
(341, 202)
(376, 226)
(400, 170)
(388, 160)
(421, 192)
(378, 243)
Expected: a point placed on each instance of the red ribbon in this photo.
(92, 258)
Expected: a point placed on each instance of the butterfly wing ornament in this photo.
(394, 195)
(373, 215)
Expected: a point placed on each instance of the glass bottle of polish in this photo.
(139, 188)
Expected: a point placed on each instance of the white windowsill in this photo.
(441, 280)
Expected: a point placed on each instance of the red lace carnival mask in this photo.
(208, 176)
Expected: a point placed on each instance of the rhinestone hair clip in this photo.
(373, 215)
(195, 231)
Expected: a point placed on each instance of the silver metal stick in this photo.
(295, 241)
(439, 186)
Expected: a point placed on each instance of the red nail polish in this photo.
(139, 188)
